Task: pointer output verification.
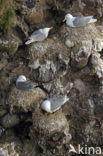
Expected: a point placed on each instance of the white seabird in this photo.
(23, 84)
(78, 21)
(53, 104)
(38, 35)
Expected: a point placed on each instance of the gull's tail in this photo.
(29, 41)
(66, 98)
(93, 20)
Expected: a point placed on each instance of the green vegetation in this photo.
(6, 20)
(7, 12)
(16, 57)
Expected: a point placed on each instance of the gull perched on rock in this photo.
(78, 21)
(53, 104)
(23, 84)
(39, 35)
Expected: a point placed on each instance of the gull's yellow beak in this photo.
(51, 28)
(74, 86)
(64, 20)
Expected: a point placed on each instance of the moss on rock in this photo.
(7, 12)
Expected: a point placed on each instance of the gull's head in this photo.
(46, 106)
(68, 16)
(21, 78)
(46, 30)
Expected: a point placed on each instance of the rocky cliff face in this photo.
(68, 56)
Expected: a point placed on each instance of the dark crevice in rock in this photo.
(22, 130)
(20, 33)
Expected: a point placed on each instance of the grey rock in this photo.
(3, 112)
(97, 63)
(78, 84)
(3, 63)
(85, 41)
(9, 121)
(37, 14)
(2, 130)
(47, 71)
(8, 147)
(10, 42)
(80, 59)
(34, 64)
(55, 61)
(30, 148)
(98, 44)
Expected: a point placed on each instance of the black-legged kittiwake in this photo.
(23, 84)
(78, 21)
(53, 104)
(38, 35)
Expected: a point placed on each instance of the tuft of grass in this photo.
(6, 20)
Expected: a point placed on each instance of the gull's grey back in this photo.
(24, 86)
(81, 20)
(56, 102)
(37, 35)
